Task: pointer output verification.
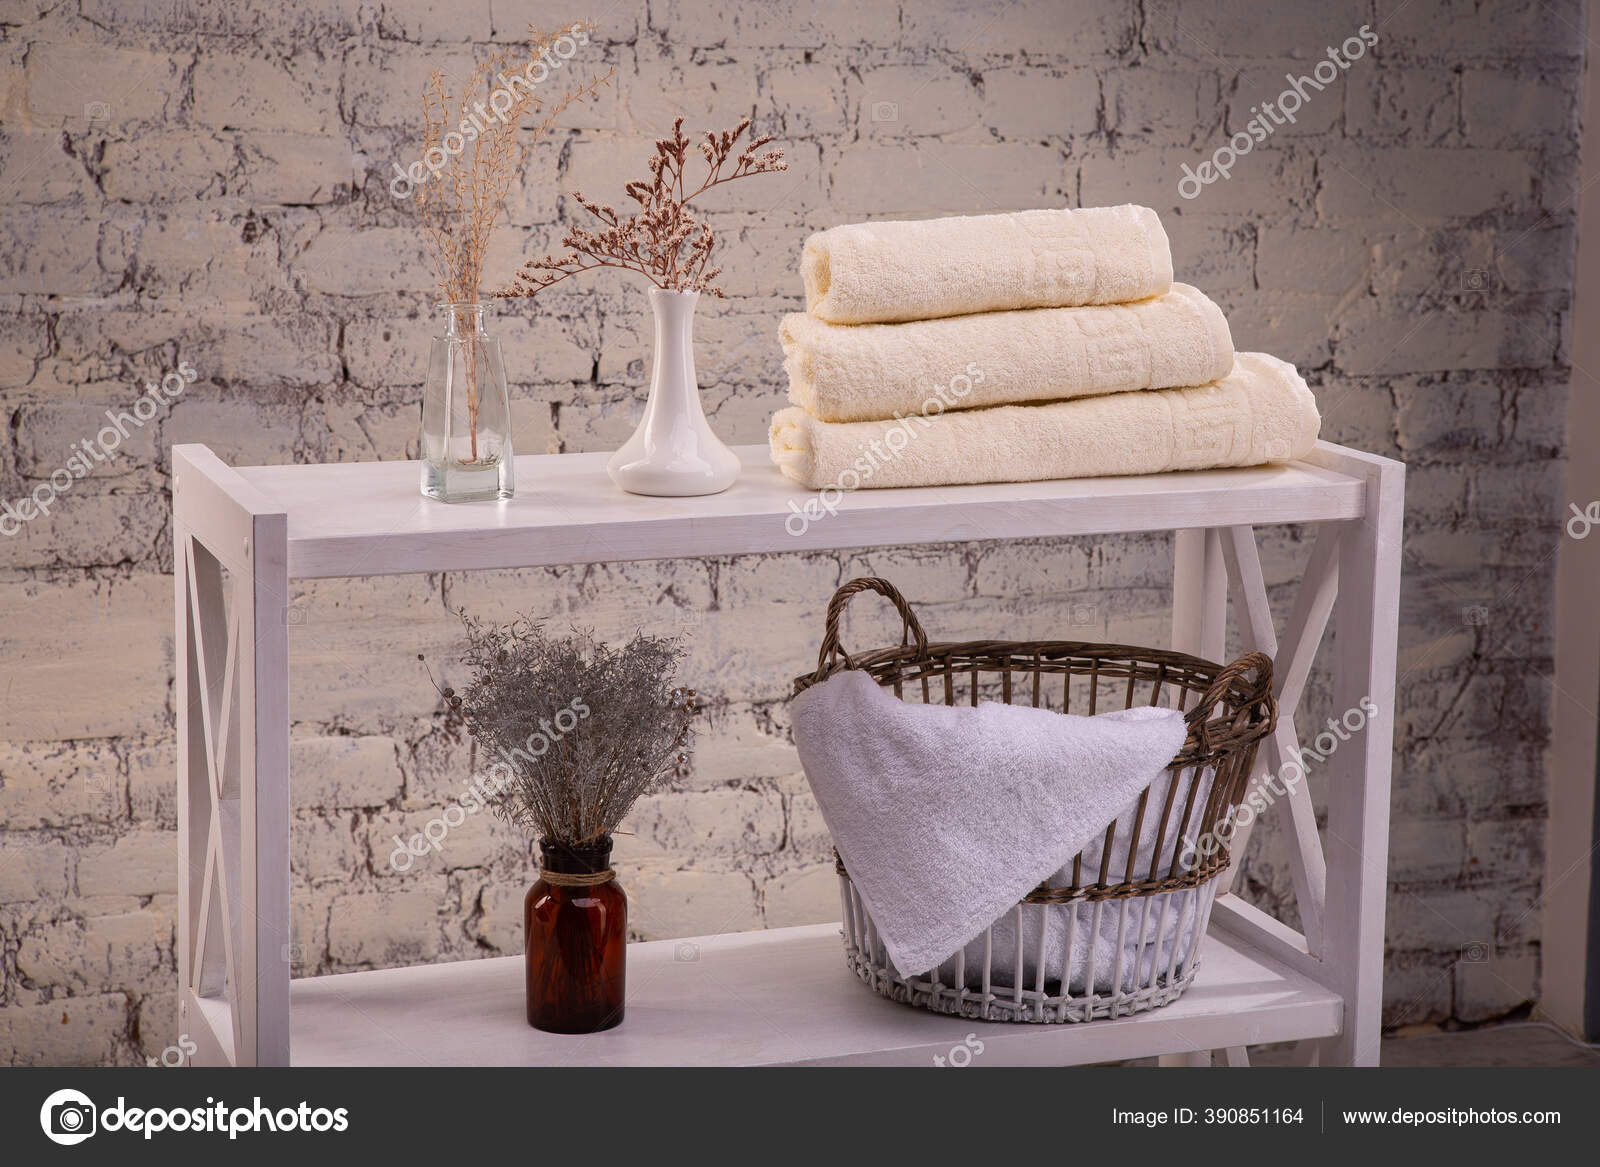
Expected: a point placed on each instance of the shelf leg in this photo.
(1366, 619)
(232, 646)
(265, 793)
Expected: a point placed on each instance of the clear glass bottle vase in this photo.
(466, 415)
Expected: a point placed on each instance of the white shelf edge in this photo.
(350, 519)
(780, 997)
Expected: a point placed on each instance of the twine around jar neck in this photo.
(576, 878)
(586, 864)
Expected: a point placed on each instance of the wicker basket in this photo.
(1118, 930)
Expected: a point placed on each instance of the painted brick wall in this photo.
(206, 182)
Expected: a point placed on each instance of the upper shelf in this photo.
(367, 518)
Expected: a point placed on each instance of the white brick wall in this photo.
(208, 182)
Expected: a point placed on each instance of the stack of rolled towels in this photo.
(1016, 347)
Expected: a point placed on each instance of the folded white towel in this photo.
(913, 270)
(946, 816)
(1260, 412)
(866, 372)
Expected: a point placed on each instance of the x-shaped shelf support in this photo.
(1291, 797)
(213, 660)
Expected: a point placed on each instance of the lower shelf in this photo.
(781, 997)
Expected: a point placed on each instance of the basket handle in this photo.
(1257, 662)
(830, 650)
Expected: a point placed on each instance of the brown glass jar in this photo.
(577, 937)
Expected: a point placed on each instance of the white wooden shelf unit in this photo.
(1260, 981)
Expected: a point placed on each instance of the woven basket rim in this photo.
(943, 648)
(1205, 740)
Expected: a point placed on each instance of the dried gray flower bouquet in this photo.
(574, 730)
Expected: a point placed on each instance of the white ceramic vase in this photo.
(673, 452)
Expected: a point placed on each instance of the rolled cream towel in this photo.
(866, 372)
(914, 270)
(1260, 412)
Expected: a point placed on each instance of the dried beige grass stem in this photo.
(461, 206)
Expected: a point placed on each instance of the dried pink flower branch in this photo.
(664, 241)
